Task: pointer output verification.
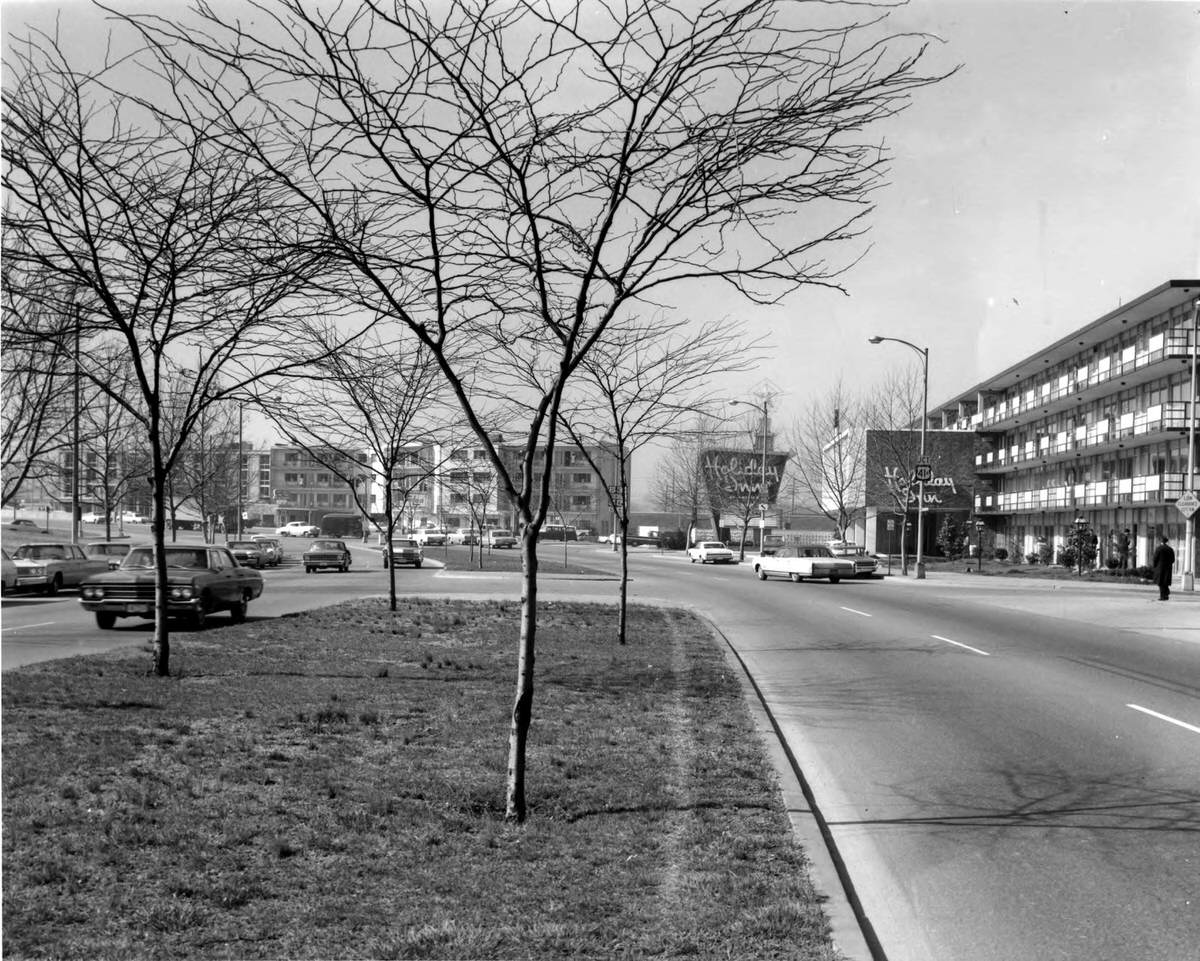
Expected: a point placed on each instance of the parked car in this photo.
(710, 552)
(247, 553)
(49, 567)
(801, 563)
(201, 579)
(613, 538)
(500, 538)
(272, 550)
(404, 550)
(298, 529)
(464, 535)
(326, 553)
(23, 524)
(582, 534)
(9, 569)
(430, 536)
(112, 551)
(864, 564)
(133, 517)
(91, 517)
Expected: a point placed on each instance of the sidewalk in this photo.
(1120, 608)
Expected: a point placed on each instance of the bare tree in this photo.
(167, 242)
(508, 178)
(681, 483)
(828, 461)
(638, 387)
(895, 416)
(364, 413)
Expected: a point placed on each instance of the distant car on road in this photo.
(9, 569)
(430, 536)
(247, 553)
(49, 567)
(133, 517)
(22, 524)
(91, 517)
(201, 579)
(802, 563)
(298, 529)
(464, 535)
(710, 552)
(326, 553)
(500, 538)
(272, 550)
(404, 550)
(112, 551)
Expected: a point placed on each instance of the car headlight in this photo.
(91, 592)
(183, 592)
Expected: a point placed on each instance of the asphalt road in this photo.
(1008, 771)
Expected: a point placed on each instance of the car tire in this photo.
(761, 574)
(198, 618)
(55, 585)
(692, 559)
(106, 620)
(308, 570)
(237, 613)
(795, 578)
(833, 578)
(417, 565)
(385, 564)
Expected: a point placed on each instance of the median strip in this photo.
(938, 637)
(1163, 717)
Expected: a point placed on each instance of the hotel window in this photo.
(581, 478)
(581, 502)
(293, 479)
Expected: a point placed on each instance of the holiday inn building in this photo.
(1094, 427)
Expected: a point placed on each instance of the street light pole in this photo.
(924, 352)
(1189, 551)
(762, 491)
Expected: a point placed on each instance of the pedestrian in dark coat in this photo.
(1164, 565)
(1123, 549)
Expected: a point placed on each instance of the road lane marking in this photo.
(859, 613)
(1164, 717)
(938, 637)
(25, 627)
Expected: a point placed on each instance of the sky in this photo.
(1053, 178)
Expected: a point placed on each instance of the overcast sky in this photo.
(1054, 177)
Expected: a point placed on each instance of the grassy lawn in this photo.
(330, 785)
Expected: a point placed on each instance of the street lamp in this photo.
(924, 352)
(979, 527)
(762, 533)
(1189, 552)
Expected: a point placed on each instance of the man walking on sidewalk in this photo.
(1164, 565)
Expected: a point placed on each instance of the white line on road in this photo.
(938, 637)
(1164, 717)
(859, 613)
(25, 627)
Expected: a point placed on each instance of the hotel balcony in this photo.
(1134, 429)
(1130, 367)
(1146, 491)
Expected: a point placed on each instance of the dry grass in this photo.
(331, 786)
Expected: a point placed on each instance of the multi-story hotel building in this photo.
(1095, 426)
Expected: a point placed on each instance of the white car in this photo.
(499, 538)
(298, 529)
(430, 536)
(133, 517)
(801, 563)
(91, 517)
(864, 564)
(710, 552)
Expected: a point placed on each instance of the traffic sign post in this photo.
(1188, 504)
(923, 473)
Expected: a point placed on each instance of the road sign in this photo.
(924, 473)
(1188, 504)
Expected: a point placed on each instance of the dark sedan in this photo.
(248, 553)
(201, 579)
(327, 553)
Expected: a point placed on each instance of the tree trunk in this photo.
(514, 808)
(623, 592)
(162, 637)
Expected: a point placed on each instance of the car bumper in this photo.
(125, 608)
(33, 580)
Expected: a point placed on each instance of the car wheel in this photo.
(692, 559)
(385, 563)
(198, 618)
(237, 613)
(762, 575)
(795, 578)
(55, 585)
(833, 578)
(417, 565)
(106, 620)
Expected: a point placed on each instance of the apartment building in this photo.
(1095, 426)
(577, 491)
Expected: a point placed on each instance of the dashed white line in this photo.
(25, 627)
(1164, 717)
(938, 637)
(859, 613)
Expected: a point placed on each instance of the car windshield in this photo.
(404, 542)
(712, 546)
(181, 557)
(41, 552)
(243, 546)
(501, 533)
(327, 546)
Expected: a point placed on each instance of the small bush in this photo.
(1001, 553)
(1032, 558)
(1112, 563)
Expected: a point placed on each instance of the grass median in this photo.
(330, 785)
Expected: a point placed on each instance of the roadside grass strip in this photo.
(331, 785)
